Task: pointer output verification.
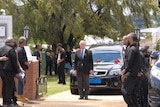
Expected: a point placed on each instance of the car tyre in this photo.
(74, 91)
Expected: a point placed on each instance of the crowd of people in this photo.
(135, 72)
(13, 52)
(58, 62)
(13, 64)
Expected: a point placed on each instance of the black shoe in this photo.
(16, 104)
(64, 83)
(59, 82)
(86, 98)
(80, 98)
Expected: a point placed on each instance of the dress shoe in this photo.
(80, 98)
(21, 98)
(86, 98)
(59, 82)
(16, 104)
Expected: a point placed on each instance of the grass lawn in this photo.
(53, 87)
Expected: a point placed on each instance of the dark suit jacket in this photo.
(133, 61)
(85, 64)
(11, 64)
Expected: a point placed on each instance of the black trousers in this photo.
(7, 87)
(128, 91)
(83, 83)
(39, 69)
(61, 74)
(142, 92)
(145, 91)
(48, 65)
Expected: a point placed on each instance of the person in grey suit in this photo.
(83, 66)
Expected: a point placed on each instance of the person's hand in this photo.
(40, 60)
(48, 53)
(121, 72)
(58, 62)
(17, 75)
(91, 72)
(75, 72)
(140, 74)
(3, 58)
(123, 77)
(23, 71)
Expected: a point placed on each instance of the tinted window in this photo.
(106, 56)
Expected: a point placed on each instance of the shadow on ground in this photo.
(105, 92)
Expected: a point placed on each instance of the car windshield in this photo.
(107, 56)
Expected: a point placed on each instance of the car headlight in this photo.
(155, 71)
(114, 72)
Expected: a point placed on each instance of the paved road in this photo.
(65, 99)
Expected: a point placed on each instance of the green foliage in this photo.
(148, 36)
(52, 21)
(158, 45)
(53, 87)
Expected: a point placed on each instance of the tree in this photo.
(52, 21)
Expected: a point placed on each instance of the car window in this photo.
(157, 64)
(107, 56)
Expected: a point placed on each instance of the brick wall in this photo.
(32, 74)
(30, 88)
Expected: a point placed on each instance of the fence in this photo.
(42, 85)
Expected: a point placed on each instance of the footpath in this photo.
(66, 99)
(56, 100)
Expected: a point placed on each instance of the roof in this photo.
(109, 44)
(107, 48)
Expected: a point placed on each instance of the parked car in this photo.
(154, 81)
(108, 60)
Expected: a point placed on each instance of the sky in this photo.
(18, 2)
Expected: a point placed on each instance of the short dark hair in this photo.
(134, 37)
(37, 45)
(59, 44)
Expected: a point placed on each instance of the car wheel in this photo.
(74, 91)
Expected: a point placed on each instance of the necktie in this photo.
(82, 54)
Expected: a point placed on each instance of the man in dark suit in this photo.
(83, 66)
(131, 72)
